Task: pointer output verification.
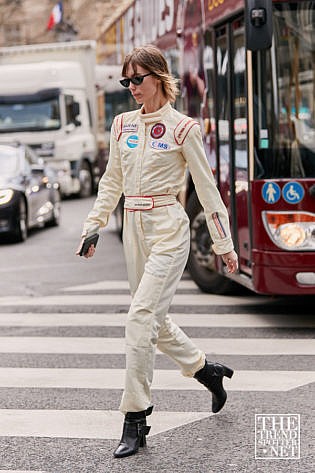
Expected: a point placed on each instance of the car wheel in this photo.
(202, 260)
(86, 180)
(20, 232)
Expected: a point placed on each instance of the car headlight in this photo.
(291, 230)
(5, 196)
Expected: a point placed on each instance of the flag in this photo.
(55, 16)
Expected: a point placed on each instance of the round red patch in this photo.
(158, 130)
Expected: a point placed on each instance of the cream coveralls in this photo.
(149, 154)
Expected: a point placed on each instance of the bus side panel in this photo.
(275, 269)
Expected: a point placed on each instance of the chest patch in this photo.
(132, 141)
(158, 130)
(159, 145)
(130, 127)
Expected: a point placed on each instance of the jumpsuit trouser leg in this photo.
(156, 249)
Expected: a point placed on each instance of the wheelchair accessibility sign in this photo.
(293, 192)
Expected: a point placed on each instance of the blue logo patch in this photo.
(132, 141)
(159, 145)
(271, 192)
(293, 192)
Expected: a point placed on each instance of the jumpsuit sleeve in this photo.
(109, 190)
(209, 196)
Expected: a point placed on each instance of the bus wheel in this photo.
(201, 260)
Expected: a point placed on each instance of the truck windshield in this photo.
(284, 91)
(17, 114)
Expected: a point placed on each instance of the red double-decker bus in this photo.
(247, 74)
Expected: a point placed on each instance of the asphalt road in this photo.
(47, 260)
(62, 363)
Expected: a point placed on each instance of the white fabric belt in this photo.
(148, 202)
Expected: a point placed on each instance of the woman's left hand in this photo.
(231, 261)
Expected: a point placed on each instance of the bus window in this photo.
(209, 109)
(193, 75)
(239, 93)
(117, 102)
(239, 130)
(223, 108)
(284, 92)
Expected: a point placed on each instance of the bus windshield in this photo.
(284, 96)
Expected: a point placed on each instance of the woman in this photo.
(149, 151)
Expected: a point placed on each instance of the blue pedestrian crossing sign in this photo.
(271, 192)
(293, 192)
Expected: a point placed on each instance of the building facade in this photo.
(26, 21)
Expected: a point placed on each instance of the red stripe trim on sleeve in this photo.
(218, 224)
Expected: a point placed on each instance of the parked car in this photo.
(29, 192)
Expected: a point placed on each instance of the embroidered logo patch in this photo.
(160, 145)
(158, 130)
(132, 141)
(130, 127)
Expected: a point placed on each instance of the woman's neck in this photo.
(154, 105)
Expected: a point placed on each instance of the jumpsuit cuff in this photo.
(191, 372)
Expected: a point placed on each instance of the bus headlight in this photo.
(5, 196)
(291, 230)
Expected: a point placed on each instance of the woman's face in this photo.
(149, 89)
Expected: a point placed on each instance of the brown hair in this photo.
(151, 58)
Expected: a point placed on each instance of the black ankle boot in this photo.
(211, 376)
(134, 431)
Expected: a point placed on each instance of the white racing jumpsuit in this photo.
(149, 154)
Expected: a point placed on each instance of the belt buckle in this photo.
(143, 203)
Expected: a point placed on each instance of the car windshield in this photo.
(9, 161)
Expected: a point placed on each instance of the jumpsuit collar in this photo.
(154, 116)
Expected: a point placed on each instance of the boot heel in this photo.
(227, 372)
(145, 431)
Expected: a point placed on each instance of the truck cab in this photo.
(51, 106)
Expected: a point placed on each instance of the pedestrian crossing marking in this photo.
(185, 320)
(99, 378)
(90, 424)
(103, 424)
(109, 285)
(116, 346)
(125, 300)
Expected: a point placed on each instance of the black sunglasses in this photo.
(137, 80)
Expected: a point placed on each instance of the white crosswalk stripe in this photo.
(106, 424)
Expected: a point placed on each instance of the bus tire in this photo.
(201, 261)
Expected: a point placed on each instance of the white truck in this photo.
(48, 99)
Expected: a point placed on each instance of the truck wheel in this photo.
(86, 180)
(201, 260)
(20, 232)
